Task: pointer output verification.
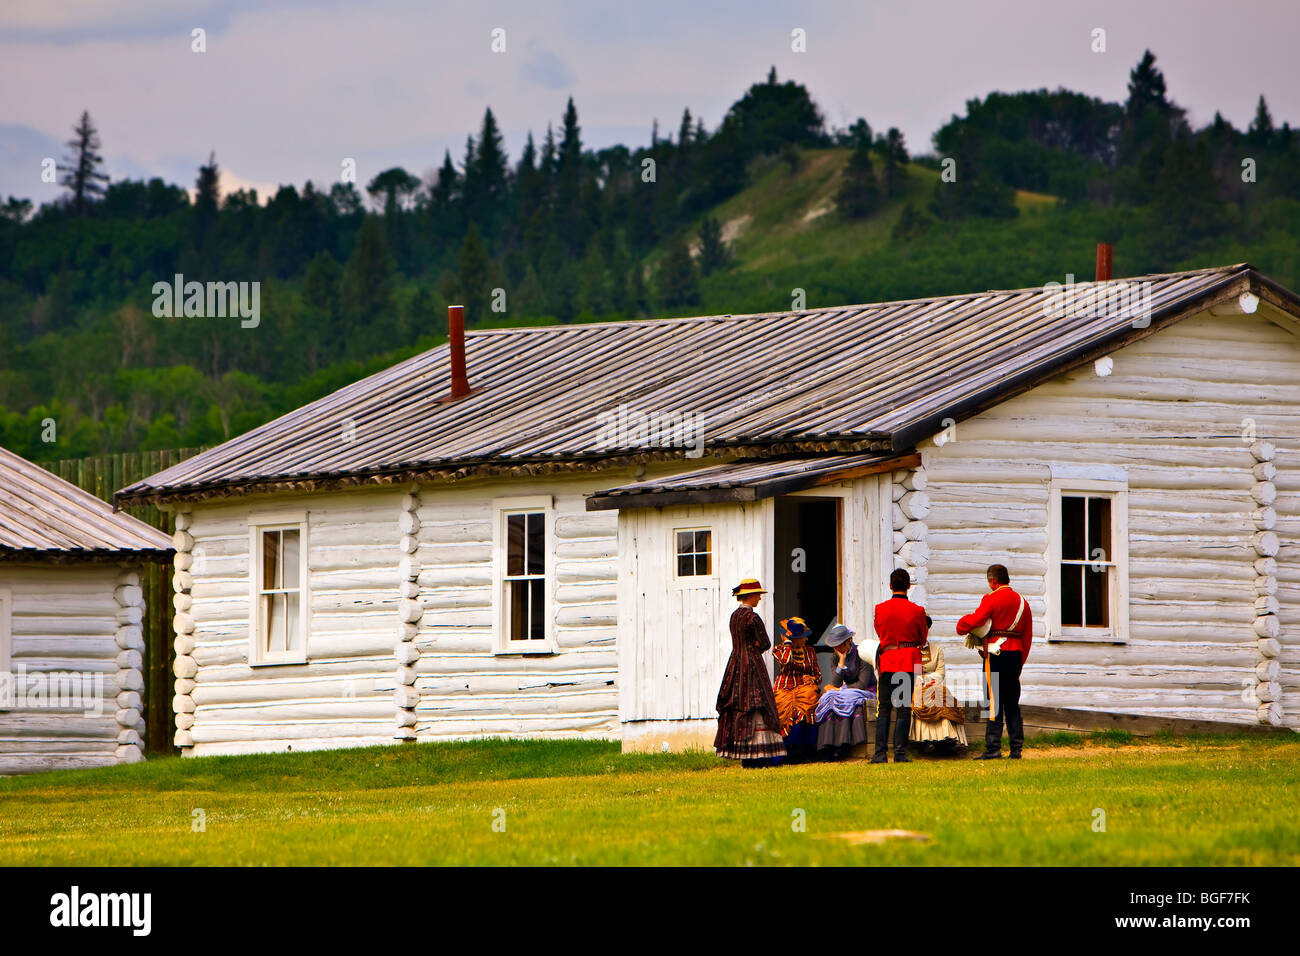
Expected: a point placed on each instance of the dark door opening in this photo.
(807, 564)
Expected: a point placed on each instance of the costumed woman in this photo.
(748, 728)
(848, 701)
(798, 686)
(938, 723)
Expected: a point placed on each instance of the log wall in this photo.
(465, 686)
(1182, 414)
(343, 695)
(83, 620)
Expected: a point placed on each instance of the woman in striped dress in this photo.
(748, 727)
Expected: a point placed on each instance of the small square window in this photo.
(694, 552)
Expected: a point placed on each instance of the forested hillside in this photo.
(352, 276)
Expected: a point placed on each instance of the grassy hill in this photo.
(786, 233)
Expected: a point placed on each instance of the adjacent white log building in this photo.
(71, 607)
(550, 553)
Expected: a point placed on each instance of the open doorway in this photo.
(808, 564)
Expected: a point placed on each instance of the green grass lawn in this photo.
(1217, 801)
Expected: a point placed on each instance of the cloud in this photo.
(80, 21)
(546, 69)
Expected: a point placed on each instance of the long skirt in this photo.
(748, 739)
(797, 704)
(938, 731)
(834, 730)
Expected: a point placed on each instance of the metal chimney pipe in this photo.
(1105, 256)
(456, 336)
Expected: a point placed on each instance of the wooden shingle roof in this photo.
(851, 379)
(44, 517)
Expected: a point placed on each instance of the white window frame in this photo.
(1117, 492)
(276, 521)
(501, 509)
(692, 580)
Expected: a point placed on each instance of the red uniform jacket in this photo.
(1002, 606)
(900, 621)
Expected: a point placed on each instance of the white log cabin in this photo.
(534, 531)
(71, 608)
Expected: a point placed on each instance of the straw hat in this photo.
(748, 586)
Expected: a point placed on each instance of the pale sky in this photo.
(287, 89)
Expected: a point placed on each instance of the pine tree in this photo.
(714, 254)
(678, 283)
(83, 174)
(1146, 88)
(894, 152)
(321, 289)
(1150, 119)
(569, 183)
(368, 307)
(491, 179)
(425, 314)
(1260, 132)
(684, 132)
(859, 194)
(474, 275)
(445, 202)
(206, 200)
(394, 187)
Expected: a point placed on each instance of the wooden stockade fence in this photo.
(101, 476)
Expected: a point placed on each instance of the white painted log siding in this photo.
(1171, 415)
(66, 618)
(343, 696)
(467, 686)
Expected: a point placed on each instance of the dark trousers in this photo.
(1005, 668)
(894, 693)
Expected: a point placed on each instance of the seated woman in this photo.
(849, 700)
(938, 723)
(796, 688)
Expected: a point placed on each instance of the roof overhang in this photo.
(85, 556)
(747, 480)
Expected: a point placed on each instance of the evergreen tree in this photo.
(1146, 88)
(321, 289)
(487, 180)
(444, 203)
(83, 174)
(911, 223)
(1260, 133)
(393, 187)
(684, 132)
(530, 296)
(426, 315)
(894, 153)
(474, 275)
(714, 254)
(1150, 119)
(859, 194)
(368, 308)
(206, 202)
(569, 184)
(678, 282)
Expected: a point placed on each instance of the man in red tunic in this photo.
(1010, 624)
(901, 627)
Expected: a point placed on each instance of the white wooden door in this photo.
(673, 628)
